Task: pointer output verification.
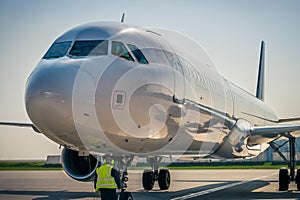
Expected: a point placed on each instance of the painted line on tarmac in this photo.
(204, 192)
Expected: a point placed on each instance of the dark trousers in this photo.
(108, 194)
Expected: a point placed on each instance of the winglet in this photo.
(260, 88)
(123, 18)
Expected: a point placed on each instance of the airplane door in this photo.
(178, 75)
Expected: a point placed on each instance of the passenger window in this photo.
(89, 48)
(138, 54)
(57, 50)
(119, 49)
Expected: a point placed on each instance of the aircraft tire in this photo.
(298, 179)
(283, 180)
(148, 179)
(164, 179)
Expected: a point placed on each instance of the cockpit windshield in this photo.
(84, 48)
(119, 49)
(57, 50)
(89, 48)
(138, 54)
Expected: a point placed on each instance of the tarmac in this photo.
(185, 184)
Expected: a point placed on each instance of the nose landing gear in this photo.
(123, 164)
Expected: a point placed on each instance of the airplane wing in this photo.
(268, 134)
(26, 125)
(289, 119)
(278, 129)
(282, 127)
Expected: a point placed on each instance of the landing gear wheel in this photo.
(164, 179)
(298, 179)
(283, 180)
(126, 196)
(148, 179)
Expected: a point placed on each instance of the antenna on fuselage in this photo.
(123, 18)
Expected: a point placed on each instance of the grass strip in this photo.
(19, 165)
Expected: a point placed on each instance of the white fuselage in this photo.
(161, 104)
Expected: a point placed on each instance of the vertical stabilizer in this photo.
(260, 88)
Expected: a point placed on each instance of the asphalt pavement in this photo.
(185, 184)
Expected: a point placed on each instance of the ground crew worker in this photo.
(107, 180)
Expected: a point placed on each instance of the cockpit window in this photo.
(138, 54)
(119, 49)
(57, 50)
(89, 48)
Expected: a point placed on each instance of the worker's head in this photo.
(108, 159)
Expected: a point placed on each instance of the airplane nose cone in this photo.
(48, 98)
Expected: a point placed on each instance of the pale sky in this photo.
(229, 30)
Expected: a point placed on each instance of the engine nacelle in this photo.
(235, 143)
(80, 168)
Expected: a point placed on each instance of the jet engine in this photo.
(80, 168)
(235, 143)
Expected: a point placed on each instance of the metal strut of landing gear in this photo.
(123, 164)
(284, 177)
(150, 176)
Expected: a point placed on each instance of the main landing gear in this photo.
(150, 176)
(284, 176)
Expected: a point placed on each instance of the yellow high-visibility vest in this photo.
(105, 180)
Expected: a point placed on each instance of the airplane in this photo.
(114, 88)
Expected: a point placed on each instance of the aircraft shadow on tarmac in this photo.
(244, 191)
